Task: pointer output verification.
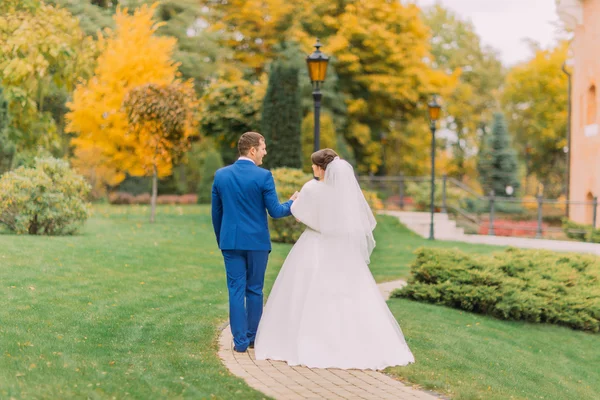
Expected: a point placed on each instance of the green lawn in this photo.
(470, 356)
(129, 309)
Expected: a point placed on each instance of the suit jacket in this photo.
(242, 194)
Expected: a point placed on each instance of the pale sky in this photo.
(503, 24)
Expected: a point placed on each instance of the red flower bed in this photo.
(507, 227)
(126, 198)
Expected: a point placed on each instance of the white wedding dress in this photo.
(325, 309)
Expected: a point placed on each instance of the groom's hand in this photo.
(294, 196)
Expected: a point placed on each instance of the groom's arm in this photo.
(217, 211)
(275, 209)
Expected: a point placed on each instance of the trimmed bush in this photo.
(580, 232)
(421, 194)
(287, 181)
(528, 285)
(48, 199)
(373, 199)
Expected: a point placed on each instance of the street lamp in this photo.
(317, 70)
(434, 114)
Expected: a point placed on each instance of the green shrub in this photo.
(481, 206)
(212, 163)
(287, 181)
(48, 199)
(529, 285)
(373, 200)
(421, 194)
(580, 232)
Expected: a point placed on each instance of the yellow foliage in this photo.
(132, 55)
(378, 50)
(258, 24)
(96, 169)
(535, 101)
(39, 44)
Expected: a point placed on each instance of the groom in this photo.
(241, 195)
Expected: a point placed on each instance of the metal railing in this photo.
(492, 215)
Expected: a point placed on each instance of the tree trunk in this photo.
(154, 194)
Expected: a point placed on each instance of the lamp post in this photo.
(317, 70)
(434, 114)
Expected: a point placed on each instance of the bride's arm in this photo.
(306, 207)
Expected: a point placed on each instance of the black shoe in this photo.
(238, 350)
(251, 345)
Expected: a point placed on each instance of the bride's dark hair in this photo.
(323, 157)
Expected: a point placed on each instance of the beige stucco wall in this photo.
(585, 150)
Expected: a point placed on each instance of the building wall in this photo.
(585, 118)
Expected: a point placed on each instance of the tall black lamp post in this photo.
(434, 115)
(317, 70)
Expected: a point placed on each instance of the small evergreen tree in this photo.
(281, 119)
(212, 163)
(497, 162)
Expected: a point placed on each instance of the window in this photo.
(591, 106)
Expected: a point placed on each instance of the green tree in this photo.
(328, 137)
(535, 101)
(198, 50)
(281, 118)
(497, 163)
(43, 51)
(379, 50)
(456, 46)
(212, 163)
(228, 108)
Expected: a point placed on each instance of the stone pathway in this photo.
(280, 381)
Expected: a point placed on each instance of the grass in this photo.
(395, 246)
(470, 356)
(129, 309)
(126, 309)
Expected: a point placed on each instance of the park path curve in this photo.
(280, 381)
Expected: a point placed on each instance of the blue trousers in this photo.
(245, 281)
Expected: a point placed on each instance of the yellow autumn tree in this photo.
(132, 55)
(535, 99)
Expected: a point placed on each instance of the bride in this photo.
(325, 310)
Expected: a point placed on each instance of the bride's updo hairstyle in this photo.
(323, 157)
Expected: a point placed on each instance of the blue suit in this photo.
(242, 194)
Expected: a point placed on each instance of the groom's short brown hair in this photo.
(249, 140)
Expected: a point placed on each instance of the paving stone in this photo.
(282, 382)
